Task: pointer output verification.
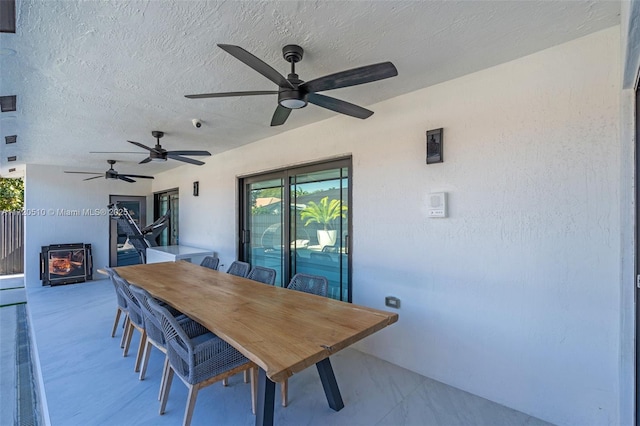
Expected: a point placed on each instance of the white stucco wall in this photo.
(47, 190)
(515, 296)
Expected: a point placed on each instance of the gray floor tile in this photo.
(12, 296)
(87, 381)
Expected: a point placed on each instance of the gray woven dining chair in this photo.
(238, 268)
(313, 284)
(263, 275)
(136, 320)
(198, 361)
(121, 305)
(210, 262)
(155, 335)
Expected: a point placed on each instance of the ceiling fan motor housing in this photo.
(158, 154)
(292, 98)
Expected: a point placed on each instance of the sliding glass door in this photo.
(311, 235)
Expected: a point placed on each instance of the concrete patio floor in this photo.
(87, 381)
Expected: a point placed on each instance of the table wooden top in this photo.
(282, 331)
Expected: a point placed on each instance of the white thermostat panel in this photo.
(438, 204)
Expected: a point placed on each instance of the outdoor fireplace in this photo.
(65, 264)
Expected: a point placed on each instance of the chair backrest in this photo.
(151, 323)
(318, 257)
(179, 346)
(238, 268)
(133, 308)
(122, 302)
(314, 284)
(263, 275)
(210, 262)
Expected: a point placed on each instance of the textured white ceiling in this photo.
(90, 75)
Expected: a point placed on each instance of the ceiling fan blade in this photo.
(116, 152)
(338, 105)
(142, 146)
(146, 160)
(229, 94)
(186, 160)
(257, 64)
(95, 177)
(86, 173)
(126, 179)
(172, 153)
(351, 77)
(135, 176)
(280, 116)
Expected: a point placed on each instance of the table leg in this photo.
(330, 385)
(266, 399)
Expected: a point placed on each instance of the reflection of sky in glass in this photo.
(320, 186)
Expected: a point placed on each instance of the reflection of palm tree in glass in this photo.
(323, 213)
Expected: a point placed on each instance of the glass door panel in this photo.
(263, 230)
(319, 227)
(164, 201)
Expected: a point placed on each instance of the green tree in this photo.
(270, 193)
(323, 213)
(11, 194)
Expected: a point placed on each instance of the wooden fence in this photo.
(11, 242)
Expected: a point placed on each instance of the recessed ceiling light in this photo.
(13, 169)
(5, 51)
(12, 158)
(11, 139)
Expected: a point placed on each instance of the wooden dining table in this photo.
(282, 331)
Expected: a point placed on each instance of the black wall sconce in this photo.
(434, 146)
(196, 188)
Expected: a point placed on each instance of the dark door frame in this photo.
(285, 173)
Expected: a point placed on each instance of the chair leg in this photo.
(127, 343)
(165, 373)
(254, 388)
(115, 323)
(284, 391)
(225, 382)
(126, 328)
(143, 340)
(145, 359)
(191, 403)
(167, 388)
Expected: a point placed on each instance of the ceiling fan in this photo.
(112, 174)
(157, 153)
(294, 93)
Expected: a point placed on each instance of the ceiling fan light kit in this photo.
(294, 93)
